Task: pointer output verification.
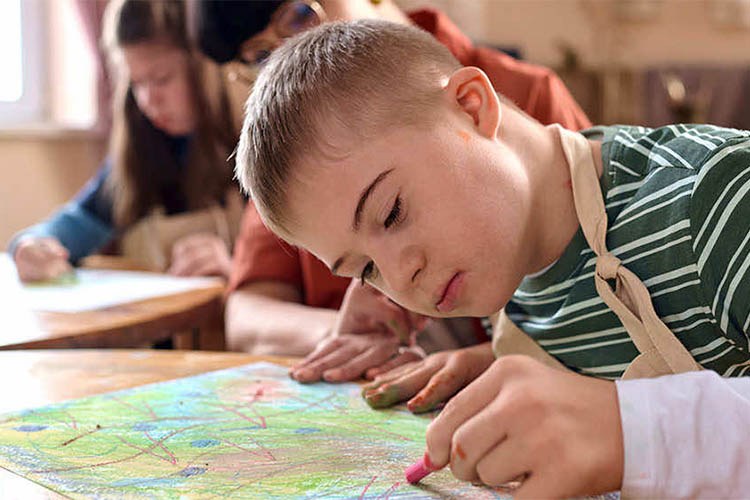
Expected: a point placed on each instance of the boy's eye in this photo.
(396, 214)
(368, 272)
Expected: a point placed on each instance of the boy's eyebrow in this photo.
(363, 199)
(358, 213)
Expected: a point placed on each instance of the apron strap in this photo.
(630, 300)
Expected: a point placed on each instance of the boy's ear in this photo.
(472, 91)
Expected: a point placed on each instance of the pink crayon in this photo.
(416, 472)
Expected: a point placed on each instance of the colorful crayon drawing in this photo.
(247, 432)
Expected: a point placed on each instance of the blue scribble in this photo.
(144, 426)
(192, 471)
(30, 428)
(306, 430)
(204, 443)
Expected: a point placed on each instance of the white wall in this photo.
(633, 33)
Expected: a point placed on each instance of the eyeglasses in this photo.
(292, 17)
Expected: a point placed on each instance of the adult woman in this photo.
(163, 190)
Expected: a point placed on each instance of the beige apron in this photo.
(149, 241)
(660, 351)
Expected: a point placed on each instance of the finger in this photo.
(60, 267)
(354, 369)
(52, 247)
(405, 386)
(207, 267)
(444, 384)
(502, 463)
(406, 356)
(477, 436)
(48, 269)
(189, 263)
(180, 246)
(384, 396)
(188, 245)
(459, 409)
(37, 254)
(324, 348)
(314, 371)
(418, 321)
(392, 375)
(399, 329)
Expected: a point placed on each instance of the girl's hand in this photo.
(557, 432)
(40, 259)
(431, 381)
(371, 335)
(201, 254)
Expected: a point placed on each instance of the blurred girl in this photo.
(165, 190)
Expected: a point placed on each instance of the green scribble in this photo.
(66, 279)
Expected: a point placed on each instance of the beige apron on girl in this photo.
(149, 242)
(660, 351)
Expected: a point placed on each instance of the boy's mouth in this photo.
(449, 294)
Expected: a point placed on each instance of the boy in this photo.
(452, 202)
(282, 300)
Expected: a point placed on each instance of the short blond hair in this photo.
(361, 76)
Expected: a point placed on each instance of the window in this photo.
(21, 57)
(11, 85)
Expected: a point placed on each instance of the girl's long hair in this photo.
(143, 163)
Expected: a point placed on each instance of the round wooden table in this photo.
(40, 377)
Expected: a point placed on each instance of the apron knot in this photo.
(607, 266)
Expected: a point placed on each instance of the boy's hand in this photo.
(347, 357)
(201, 254)
(40, 259)
(434, 379)
(368, 339)
(557, 431)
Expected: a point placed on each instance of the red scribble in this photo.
(308, 404)
(390, 490)
(110, 462)
(362, 495)
(66, 443)
(384, 431)
(281, 470)
(79, 467)
(149, 410)
(264, 452)
(147, 451)
(162, 446)
(261, 423)
(257, 414)
(73, 421)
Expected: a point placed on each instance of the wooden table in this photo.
(193, 320)
(41, 377)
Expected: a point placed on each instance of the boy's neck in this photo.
(552, 220)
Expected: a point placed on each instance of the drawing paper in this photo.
(246, 432)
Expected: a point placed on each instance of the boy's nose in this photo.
(406, 271)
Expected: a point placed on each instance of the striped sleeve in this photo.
(720, 224)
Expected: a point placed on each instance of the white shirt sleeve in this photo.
(686, 436)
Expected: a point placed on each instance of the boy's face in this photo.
(433, 217)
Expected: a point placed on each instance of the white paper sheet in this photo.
(96, 289)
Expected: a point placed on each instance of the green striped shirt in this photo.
(678, 206)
